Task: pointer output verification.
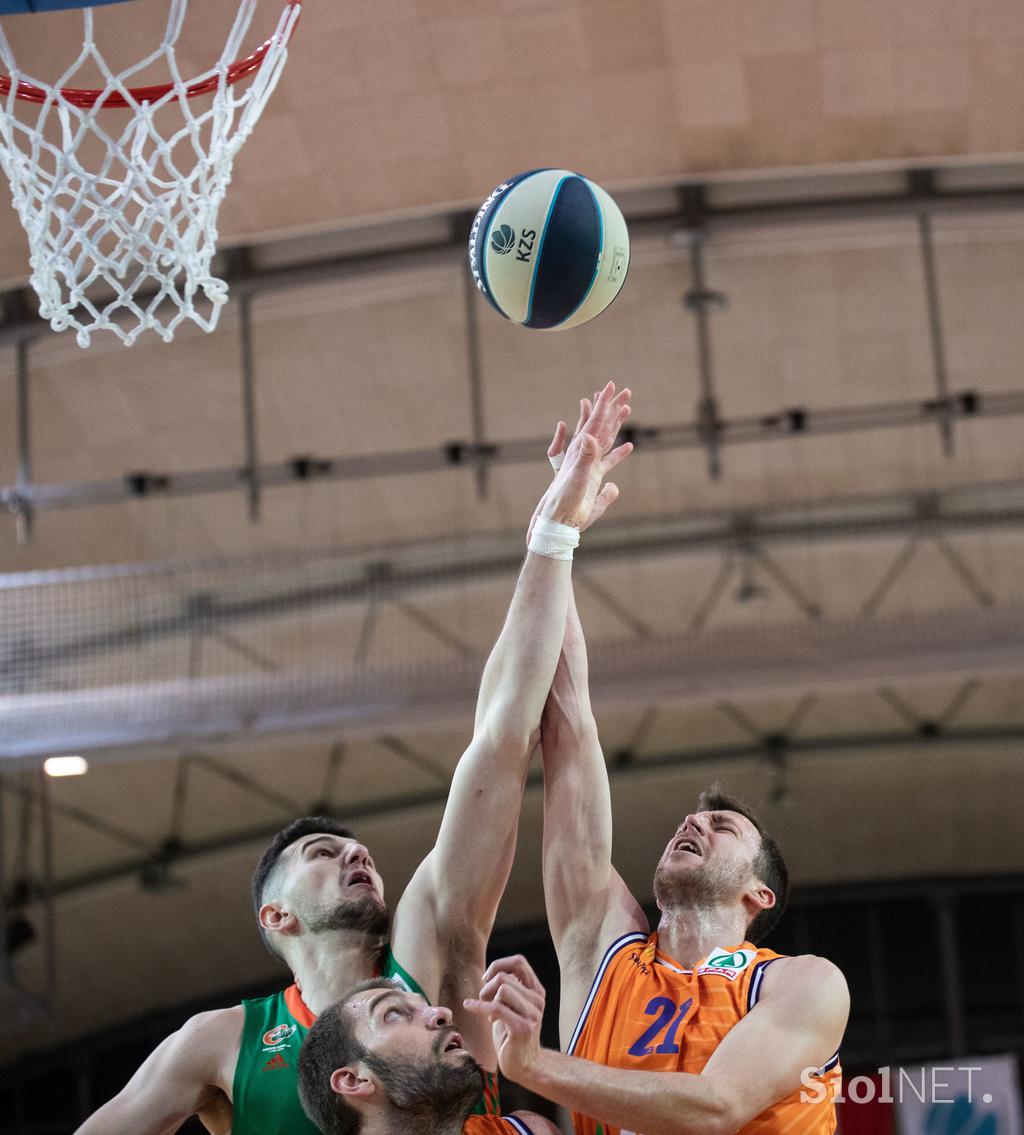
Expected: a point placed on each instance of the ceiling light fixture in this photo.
(65, 766)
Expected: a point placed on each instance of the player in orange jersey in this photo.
(692, 1029)
(382, 1061)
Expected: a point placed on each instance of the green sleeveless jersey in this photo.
(265, 1094)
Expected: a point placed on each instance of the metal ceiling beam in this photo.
(248, 369)
(793, 422)
(698, 300)
(474, 367)
(918, 190)
(386, 575)
(840, 745)
(691, 208)
(935, 331)
(727, 663)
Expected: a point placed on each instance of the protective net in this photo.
(386, 639)
(119, 187)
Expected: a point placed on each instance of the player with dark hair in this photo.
(318, 895)
(692, 1029)
(382, 1061)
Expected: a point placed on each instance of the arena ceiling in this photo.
(809, 588)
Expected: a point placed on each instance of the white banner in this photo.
(972, 1096)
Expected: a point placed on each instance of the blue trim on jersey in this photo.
(518, 1124)
(597, 259)
(830, 1064)
(754, 988)
(613, 949)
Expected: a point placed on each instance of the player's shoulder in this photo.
(207, 1044)
(521, 1122)
(805, 973)
(213, 1031)
(535, 1123)
(212, 1021)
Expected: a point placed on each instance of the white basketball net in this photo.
(123, 241)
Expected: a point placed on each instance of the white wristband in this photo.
(553, 539)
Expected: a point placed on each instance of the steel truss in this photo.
(37, 719)
(731, 662)
(154, 867)
(27, 887)
(693, 213)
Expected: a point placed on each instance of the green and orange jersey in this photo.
(647, 1012)
(265, 1094)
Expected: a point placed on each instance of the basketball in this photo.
(549, 249)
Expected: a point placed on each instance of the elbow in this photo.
(514, 745)
(721, 1116)
(508, 741)
(707, 1111)
(558, 737)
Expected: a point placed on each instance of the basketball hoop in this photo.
(124, 242)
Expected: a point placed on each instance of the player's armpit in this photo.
(182, 1076)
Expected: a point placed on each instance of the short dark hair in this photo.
(330, 1044)
(769, 866)
(305, 825)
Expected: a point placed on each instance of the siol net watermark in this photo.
(928, 1084)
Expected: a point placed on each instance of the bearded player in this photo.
(692, 1029)
(320, 899)
(381, 1061)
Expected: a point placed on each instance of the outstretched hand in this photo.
(577, 495)
(512, 997)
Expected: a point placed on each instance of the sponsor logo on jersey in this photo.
(278, 1037)
(277, 1061)
(728, 963)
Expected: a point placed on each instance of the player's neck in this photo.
(328, 964)
(689, 933)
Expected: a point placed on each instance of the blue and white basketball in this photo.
(549, 249)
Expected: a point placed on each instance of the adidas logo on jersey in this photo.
(277, 1061)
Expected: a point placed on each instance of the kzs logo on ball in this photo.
(503, 239)
(277, 1037)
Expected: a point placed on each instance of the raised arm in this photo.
(453, 897)
(189, 1073)
(794, 1029)
(588, 904)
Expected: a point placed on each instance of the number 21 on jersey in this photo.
(668, 1017)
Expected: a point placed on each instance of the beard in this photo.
(701, 887)
(365, 915)
(443, 1094)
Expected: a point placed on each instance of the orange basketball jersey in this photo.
(495, 1125)
(645, 1011)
